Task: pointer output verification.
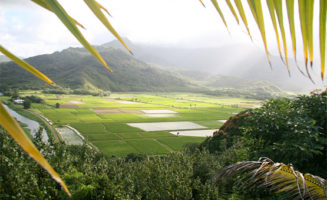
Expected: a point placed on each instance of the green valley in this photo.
(104, 121)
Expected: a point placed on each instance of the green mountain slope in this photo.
(75, 68)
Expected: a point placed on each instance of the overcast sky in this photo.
(27, 29)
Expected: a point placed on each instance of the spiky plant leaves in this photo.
(271, 7)
(230, 5)
(290, 14)
(256, 9)
(44, 5)
(309, 25)
(69, 23)
(322, 35)
(26, 66)
(279, 11)
(240, 9)
(202, 3)
(278, 178)
(17, 133)
(96, 9)
(215, 3)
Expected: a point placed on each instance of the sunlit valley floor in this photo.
(112, 123)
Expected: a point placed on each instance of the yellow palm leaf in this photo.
(202, 3)
(278, 177)
(271, 7)
(309, 25)
(17, 133)
(95, 7)
(322, 36)
(240, 9)
(279, 11)
(256, 9)
(26, 66)
(215, 3)
(290, 13)
(44, 5)
(230, 5)
(69, 23)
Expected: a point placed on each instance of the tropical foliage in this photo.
(306, 10)
(278, 178)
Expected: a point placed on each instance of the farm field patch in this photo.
(162, 126)
(195, 133)
(106, 121)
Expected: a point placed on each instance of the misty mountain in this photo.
(241, 61)
(75, 68)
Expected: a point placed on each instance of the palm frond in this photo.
(26, 66)
(230, 5)
(96, 9)
(17, 133)
(271, 7)
(216, 5)
(70, 24)
(240, 9)
(279, 11)
(256, 9)
(322, 30)
(278, 178)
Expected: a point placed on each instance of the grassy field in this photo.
(103, 120)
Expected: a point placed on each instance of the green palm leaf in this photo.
(95, 7)
(256, 9)
(279, 11)
(271, 7)
(309, 25)
(69, 23)
(17, 133)
(26, 66)
(230, 5)
(240, 9)
(277, 177)
(215, 3)
(322, 35)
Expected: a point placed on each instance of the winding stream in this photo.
(32, 125)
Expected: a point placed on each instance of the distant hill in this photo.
(241, 61)
(75, 68)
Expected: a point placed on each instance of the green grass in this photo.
(130, 135)
(89, 128)
(110, 133)
(120, 127)
(177, 143)
(102, 137)
(148, 146)
(113, 147)
(156, 134)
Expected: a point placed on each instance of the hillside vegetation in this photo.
(188, 174)
(75, 69)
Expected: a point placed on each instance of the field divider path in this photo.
(54, 132)
(163, 145)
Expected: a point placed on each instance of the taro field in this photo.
(151, 124)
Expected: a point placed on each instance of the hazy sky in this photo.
(27, 29)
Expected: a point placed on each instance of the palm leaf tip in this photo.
(96, 9)
(278, 178)
(26, 66)
(17, 133)
(202, 3)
